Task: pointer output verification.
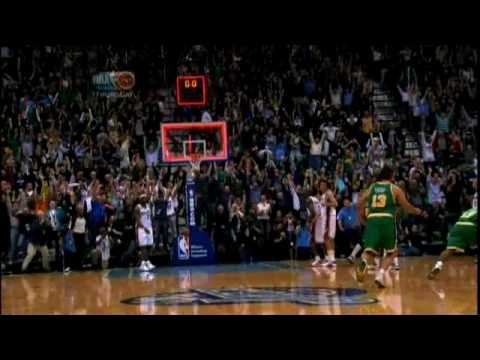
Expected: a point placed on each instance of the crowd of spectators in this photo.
(73, 164)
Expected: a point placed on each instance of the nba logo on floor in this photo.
(183, 248)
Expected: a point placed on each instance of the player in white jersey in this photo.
(313, 221)
(143, 217)
(328, 222)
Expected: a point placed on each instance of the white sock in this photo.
(356, 250)
(317, 258)
(395, 261)
(439, 264)
(331, 255)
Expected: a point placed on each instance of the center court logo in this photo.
(293, 295)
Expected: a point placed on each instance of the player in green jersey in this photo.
(381, 201)
(462, 236)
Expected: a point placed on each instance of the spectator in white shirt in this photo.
(124, 153)
(427, 149)
(151, 153)
(376, 151)
(434, 188)
(336, 96)
(315, 161)
(403, 94)
(331, 131)
(417, 167)
(412, 98)
(264, 211)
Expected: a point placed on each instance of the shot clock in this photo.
(191, 90)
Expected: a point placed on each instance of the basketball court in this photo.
(198, 286)
(266, 288)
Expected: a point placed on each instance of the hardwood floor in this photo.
(262, 288)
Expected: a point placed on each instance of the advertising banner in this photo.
(114, 83)
(192, 247)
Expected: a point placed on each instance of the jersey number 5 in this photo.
(379, 201)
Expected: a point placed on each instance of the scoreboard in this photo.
(192, 90)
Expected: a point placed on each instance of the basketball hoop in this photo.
(195, 161)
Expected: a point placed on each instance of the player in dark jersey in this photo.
(381, 201)
(462, 236)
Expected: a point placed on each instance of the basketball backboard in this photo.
(184, 142)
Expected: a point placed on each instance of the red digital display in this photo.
(192, 90)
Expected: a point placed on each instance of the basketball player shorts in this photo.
(316, 233)
(143, 238)
(380, 234)
(462, 237)
(325, 227)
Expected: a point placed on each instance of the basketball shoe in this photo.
(143, 266)
(329, 264)
(435, 271)
(317, 261)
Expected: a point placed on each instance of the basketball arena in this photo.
(239, 180)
